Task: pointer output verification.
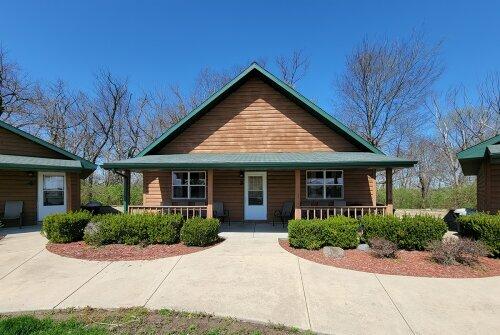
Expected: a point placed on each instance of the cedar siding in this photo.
(488, 186)
(17, 185)
(257, 118)
(13, 144)
(360, 188)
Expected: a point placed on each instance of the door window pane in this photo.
(255, 198)
(53, 190)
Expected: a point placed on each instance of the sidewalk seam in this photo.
(79, 287)
(304, 293)
(390, 298)
(17, 267)
(162, 281)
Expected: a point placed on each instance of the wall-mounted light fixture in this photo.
(31, 176)
(242, 174)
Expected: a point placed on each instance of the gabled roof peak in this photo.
(281, 86)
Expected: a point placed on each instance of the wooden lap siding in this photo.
(257, 118)
(73, 191)
(17, 185)
(13, 144)
(360, 188)
(488, 187)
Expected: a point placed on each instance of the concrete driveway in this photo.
(249, 277)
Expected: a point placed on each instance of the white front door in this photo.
(256, 195)
(51, 193)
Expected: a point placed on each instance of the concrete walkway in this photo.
(249, 276)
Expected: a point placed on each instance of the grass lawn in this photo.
(91, 321)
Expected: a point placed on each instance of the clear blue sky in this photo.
(157, 43)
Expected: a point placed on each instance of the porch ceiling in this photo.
(29, 163)
(278, 160)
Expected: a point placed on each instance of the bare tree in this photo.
(385, 85)
(15, 92)
(294, 67)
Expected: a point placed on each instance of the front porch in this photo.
(355, 193)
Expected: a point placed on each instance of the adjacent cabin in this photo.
(483, 161)
(254, 146)
(44, 177)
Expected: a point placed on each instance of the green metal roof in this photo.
(470, 159)
(298, 98)
(28, 163)
(85, 164)
(281, 160)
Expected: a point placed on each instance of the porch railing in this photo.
(186, 211)
(324, 212)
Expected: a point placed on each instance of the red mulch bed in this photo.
(121, 252)
(407, 263)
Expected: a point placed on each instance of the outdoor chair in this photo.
(285, 213)
(221, 213)
(13, 211)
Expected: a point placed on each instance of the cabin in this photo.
(483, 161)
(254, 146)
(43, 176)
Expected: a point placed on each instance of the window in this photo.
(188, 184)
(323, 184)
(53, 190)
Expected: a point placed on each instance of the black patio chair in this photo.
(221, 213)
(285, 213)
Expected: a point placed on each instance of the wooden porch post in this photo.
(297, 195)
(388, 191)
(210, 193)
(126, 190)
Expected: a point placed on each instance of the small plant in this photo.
(200, 232)
(452, 251)
(383, 248)
(336, 231)
(65, 227)
(482, 227)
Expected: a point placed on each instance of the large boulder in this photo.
(333, 252)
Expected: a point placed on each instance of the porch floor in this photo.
(253, 229)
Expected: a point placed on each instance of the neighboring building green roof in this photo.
(298, 98)
(470, 159)
(28, 163)
(278, 160)
(85, 164)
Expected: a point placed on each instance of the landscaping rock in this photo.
(333, 252)
(363, 247)
(91, 228)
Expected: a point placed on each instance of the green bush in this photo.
(482, 227)
(337, 231)
(420, 230)
(200, 232)
(65, 227)
(134, 229)
(410, 233)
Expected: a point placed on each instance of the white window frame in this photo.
(189, 185)
(324, 185)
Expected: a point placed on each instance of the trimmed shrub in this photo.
(134, 229)
(383, 248)
(482, 227)
(420, 230)
(452, 250)
(200, 232)
(336, 231)
(65, 227)
(386, 226)
(410, 233)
